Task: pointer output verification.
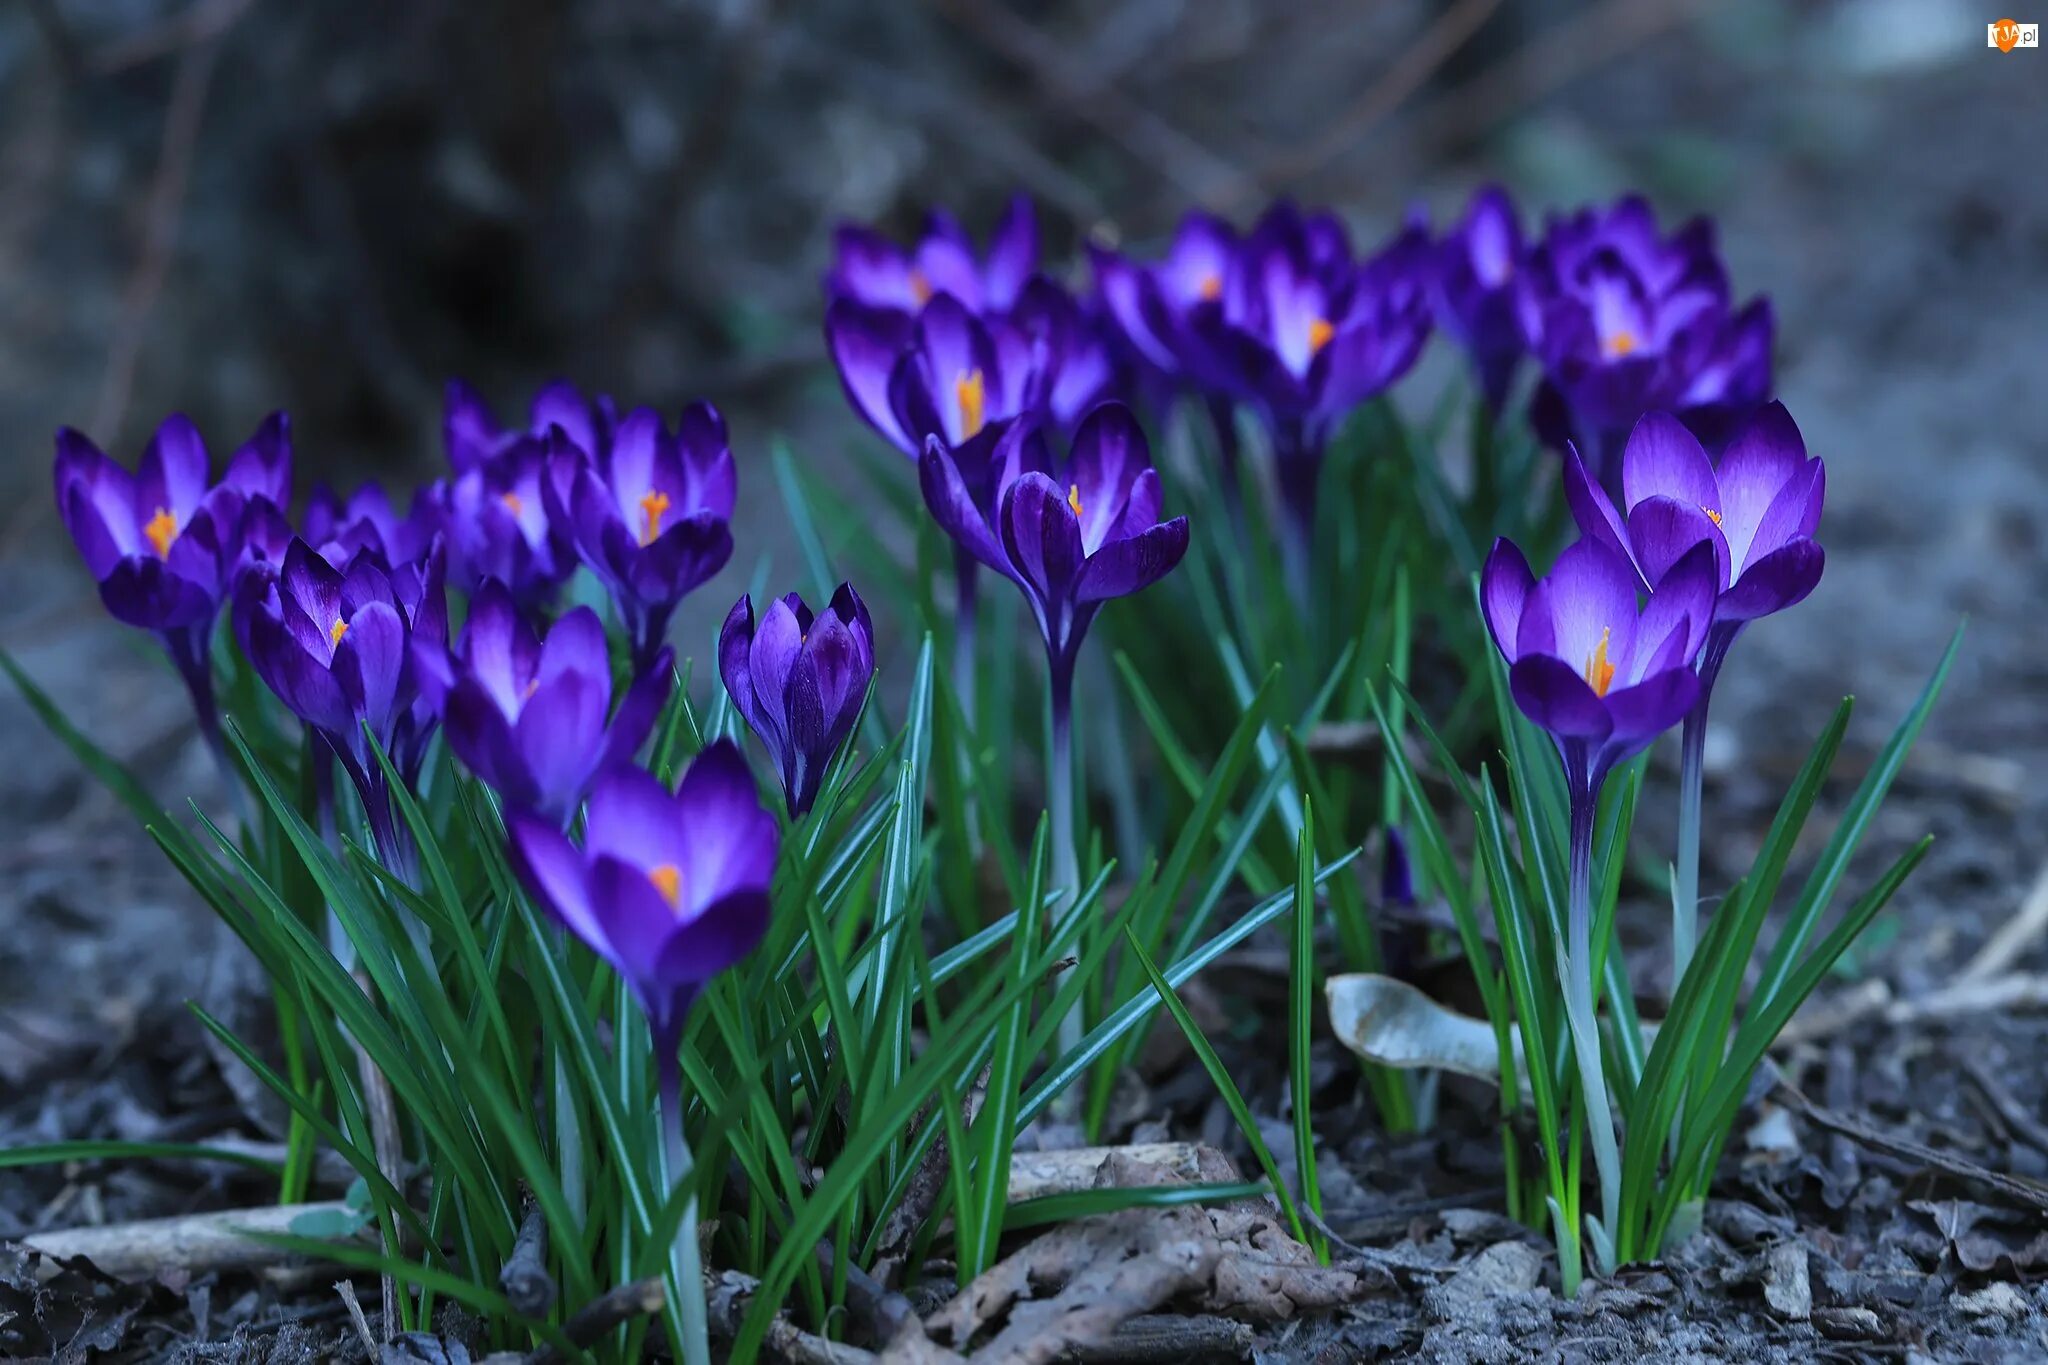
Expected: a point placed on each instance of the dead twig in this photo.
(2014, 1115)
(1437, 44)
(1873, 999)
(2013, 937)
(882, 1313)
(641, 1298)
(2028, 1193)
(528, 1286)
(198, 1242)
(355, 1315)
(162, 213)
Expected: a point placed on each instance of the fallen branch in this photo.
(2013, 937)
(528, 1286)
(199, 1243)
(2029, 1193)
(1874, 999)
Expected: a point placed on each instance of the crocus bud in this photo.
(799, 681)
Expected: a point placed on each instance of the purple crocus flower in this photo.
(649, 514)
(799, 680)
(1151, 306)
(670, 890)
(1072, 539)
(165, 545)
(533, 718)
(341, 529)
(1758, 511)
(939, 373)
(495, 520)
(473, 437)
(1625, 320)
(1305, 333)
(1604, 676)
(338, 646)
(871, 270)
(1477, 268)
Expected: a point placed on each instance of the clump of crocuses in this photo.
(799, 680)
(167, 544)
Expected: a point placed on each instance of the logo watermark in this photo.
(2007, 34)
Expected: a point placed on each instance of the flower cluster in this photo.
(345, 618)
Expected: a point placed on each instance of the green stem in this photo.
(677, 1167)
(1575, 969)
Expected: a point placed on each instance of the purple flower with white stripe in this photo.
(1756, 512)
(1624, 321)
(1478, 265)
(338, 647)
(649, 514)
(166, 545)
(870, 270)
(669, 889)
(799, 680)
(533, 717)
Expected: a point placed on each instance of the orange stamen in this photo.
(1211, 287)
(920, 288)
(1074, 499)
(336, 631)
(1319, 333)
(1620, 344)
(652, 506)
(1712, 515)
(1599, 672)
(512, 503)
(162, 529)
(668, 880)
(970, 390)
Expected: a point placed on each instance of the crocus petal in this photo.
(1552, 694)
(312, 583)
(559, 404)
(865, 343)
(557, 875)
(576, 645)
(1042, 536)
(142, 591)
(1590, 595)
(1012, 254)
(953, 507)
(481, 735)
(561, 733)
(771, 661)
(369, 663)
(1764, 456)
(1663, 458)
(632, 817)
(735, 646)
(1646, 710)
(732, 843)
(639, 710)
(707, 458)
(1778, 580)
(1663, 529)
(1109, 454)
(498, 647)
(723, 933)
(635, 916)
(262, 467)
(1674, 622)
(1504, 587)
(1791, 512)
(1591, 508)
(1132, 564)
(468, 431)
(172, 472)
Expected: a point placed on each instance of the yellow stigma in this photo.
(1211, 287)
(336, 631)
(1620, 344)
(668, 880)
(652, 506)
(162, 529)
(1712, 515)
(1319, 333)
(512, 503)
(971, 392)
(1074, 499)
(532, 686)
(920, 288)
(1599, 672)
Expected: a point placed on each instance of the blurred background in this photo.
(230, 206)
